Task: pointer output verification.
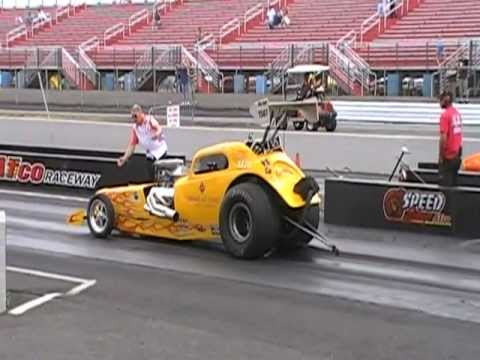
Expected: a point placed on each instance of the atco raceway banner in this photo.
(74, 170)
(16, 169)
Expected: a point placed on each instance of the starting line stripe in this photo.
(83, 284)
(46, 275)
(22, 309)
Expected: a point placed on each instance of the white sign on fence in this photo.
(173, 116)
(3, 265)
(260, 111)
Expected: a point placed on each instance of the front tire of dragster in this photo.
(100, 216)
(249, 224)
(292, 238)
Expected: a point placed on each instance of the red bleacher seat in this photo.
(311, 21)
(410, 42)
(179, 26)
(7, 21)
(92, 21)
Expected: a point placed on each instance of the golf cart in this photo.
(308, 109)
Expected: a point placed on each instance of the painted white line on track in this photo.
(47, 275)
(22, 309)
(82, 285)
(43, 195)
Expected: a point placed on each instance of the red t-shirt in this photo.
(451, 126)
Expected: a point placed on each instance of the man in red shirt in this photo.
(451, 138)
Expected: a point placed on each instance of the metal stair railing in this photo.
(205, 65)
(347, 71)
(39, 59)
(208, 66)
(154, 58)
(86, 63)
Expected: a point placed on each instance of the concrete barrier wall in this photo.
(3, 264)
(366, 153)
(126, 98)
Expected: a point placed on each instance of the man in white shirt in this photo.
(42, 16)
(147, 132)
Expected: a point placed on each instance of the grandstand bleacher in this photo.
(179, 26)
(7, 21)
(311, 21)
(410, 42)
(235, 36)
(86, 23)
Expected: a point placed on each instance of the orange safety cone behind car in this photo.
(472, 163)
(297, 160)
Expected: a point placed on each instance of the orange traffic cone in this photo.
(297, 160)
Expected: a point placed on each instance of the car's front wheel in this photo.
(248, 222)
(100, 216)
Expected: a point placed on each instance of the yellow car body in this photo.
(250, 195)
(198, 195)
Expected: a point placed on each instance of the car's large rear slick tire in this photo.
(249, 223)
(100, 216)
(292, 238)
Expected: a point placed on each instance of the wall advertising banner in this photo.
(412, 206)
(16, 169)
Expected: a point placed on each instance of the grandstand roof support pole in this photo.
(153, 70)
(470, 53)
(349, 85)
(362, 85)
(291, 55)
(427, 56)
(43, 95)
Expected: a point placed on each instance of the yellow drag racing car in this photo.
(249, 194)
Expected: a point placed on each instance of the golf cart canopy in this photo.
(304, 69)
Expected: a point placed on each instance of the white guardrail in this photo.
(3, 265)
(400, 112)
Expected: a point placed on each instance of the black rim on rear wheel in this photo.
(240, 220)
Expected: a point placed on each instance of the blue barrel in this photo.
(108, 82)
(7, 79)
(261, 84)
(239, 84)
(394, 84)
(427, 85)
